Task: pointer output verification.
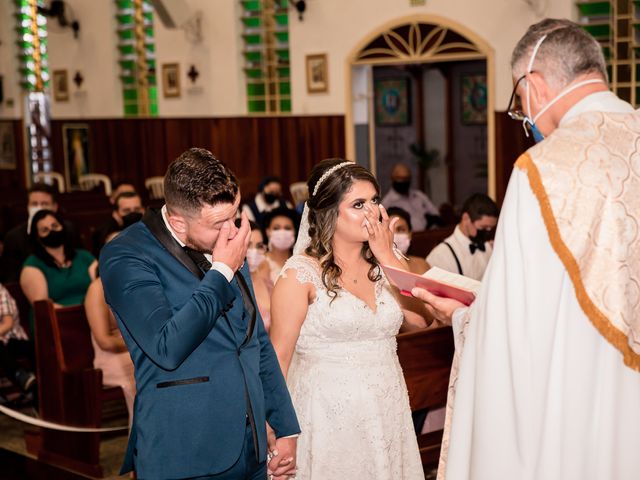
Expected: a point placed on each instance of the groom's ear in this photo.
(178, 222)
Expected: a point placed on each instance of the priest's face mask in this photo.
(522, 88)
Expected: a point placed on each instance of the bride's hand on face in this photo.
(380, 231)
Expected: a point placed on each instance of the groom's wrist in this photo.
(224, 269)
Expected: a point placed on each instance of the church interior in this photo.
(98, 97)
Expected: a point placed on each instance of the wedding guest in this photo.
(269, 197)
(15, 344)
(260, 272)
(402, 239)
(422, 210)
(110, 352)
(17, 246)
(468, 249)
(280, 226)
(56, 269)
(127, 210)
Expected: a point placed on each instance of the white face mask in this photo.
(537, 135)
(254, 258)
(402, 241)
(282, 239)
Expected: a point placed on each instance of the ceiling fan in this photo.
(63, 12)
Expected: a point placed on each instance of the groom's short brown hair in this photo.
(197, 178)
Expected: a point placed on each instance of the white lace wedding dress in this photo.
(348, 389)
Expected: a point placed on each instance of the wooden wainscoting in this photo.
(134, 149)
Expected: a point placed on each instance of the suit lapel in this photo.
(249, 306)
(154, 222)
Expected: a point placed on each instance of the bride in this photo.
(334, 321)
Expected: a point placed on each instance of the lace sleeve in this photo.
(306, 270)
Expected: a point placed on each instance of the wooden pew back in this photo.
(70, 390)
(423, 242)
(72, 338)
(425, 357)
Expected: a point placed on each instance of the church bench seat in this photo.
(425, 357)
(70, 389)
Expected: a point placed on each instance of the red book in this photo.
(435, 280)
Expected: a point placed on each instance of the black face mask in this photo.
(54, 239)
(131, 218)
(270, 198)
(483, 236)
(401, 187)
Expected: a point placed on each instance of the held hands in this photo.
(282, 456)
(380, 233)
(232, 251)
(442, 309)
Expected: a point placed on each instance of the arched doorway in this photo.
(411, 46)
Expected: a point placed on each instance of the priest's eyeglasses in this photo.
(514, 110)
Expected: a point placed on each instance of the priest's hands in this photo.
(442, 309)
(282, 455)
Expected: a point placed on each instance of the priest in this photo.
(545, 382)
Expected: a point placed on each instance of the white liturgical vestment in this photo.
(545, 382)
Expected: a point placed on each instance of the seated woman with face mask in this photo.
(56, 270)
(280, 226)
(402, 239)
(260, 272)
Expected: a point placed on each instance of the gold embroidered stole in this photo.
(586, 177)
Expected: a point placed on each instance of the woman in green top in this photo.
(56, 270)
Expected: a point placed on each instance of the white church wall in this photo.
(94, 55)
(334, 27)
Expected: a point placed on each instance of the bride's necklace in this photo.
(349, 278)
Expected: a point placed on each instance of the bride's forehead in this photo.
(360, 189)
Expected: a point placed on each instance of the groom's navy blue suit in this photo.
(204, 365)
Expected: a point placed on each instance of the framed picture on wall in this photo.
(474, 99)
(317, 73)
(60, 82)
(7, 146)
(75, 142)
(392, 102)
(171, 80)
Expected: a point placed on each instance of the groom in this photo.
(207, 376)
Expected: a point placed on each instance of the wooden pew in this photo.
(423, 242)
(70, 390)
(425, 357)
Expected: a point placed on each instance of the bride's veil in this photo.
(304, 240)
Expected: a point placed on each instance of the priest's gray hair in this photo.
(566, 53)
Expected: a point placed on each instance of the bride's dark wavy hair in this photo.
(323, 214)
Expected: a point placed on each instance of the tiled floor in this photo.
(17, 465)
(112, 451)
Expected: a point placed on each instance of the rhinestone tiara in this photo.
(327, 174)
